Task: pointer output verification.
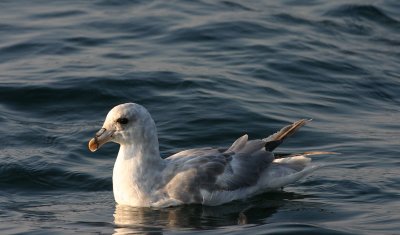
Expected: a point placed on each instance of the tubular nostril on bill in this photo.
(100, 132)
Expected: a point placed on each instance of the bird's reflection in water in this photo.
(129, 220)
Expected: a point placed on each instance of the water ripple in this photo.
(36, 175)
(209, 72)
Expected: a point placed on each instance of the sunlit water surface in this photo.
(208, 71)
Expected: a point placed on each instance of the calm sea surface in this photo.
(208, 71)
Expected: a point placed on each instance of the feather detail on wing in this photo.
(220, 169)
(247, 165)
(248, 159)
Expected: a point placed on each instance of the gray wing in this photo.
(222, 168)
(246, 161)
(216, 169)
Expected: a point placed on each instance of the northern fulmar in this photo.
(208, 176)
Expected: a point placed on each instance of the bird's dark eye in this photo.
(122, 120)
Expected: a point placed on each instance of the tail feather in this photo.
(276, 139)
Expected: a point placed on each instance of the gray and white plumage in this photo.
(209, 176)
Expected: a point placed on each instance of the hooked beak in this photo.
(101, 137)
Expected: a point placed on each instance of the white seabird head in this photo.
(127, 123)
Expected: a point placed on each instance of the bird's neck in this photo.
(135, 175)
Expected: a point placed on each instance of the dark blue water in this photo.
(208, 71)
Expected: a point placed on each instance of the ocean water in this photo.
(208, 71)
